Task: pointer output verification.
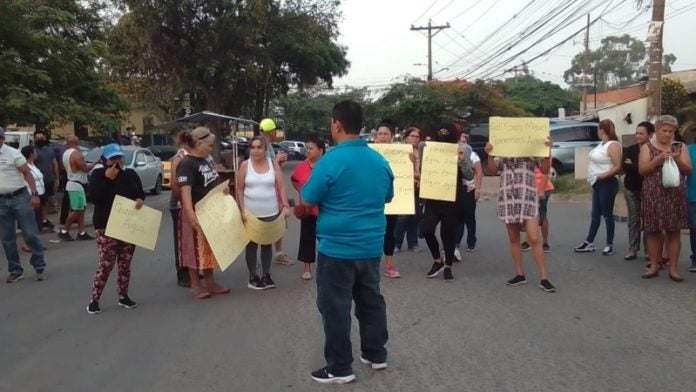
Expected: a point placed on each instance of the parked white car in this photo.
(19, 139)
(148, 166)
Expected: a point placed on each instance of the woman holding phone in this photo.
(105, 184)
(664, 209)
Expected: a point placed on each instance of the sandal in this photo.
(676, 278)
(216, 290)
(200, 293)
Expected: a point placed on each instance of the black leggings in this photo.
(446, 215)
(389, 235)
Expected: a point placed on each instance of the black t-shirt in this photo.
(199, 174)
(633, 181)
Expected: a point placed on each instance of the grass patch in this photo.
(568, 185)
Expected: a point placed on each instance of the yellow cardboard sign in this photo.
(221, 221)
(398, 157)
(264, 233)
(519, 137)
(137, 227)
(439, 171)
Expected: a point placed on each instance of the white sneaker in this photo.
(375, 366)
(457, 255)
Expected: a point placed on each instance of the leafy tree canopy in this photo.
(540, 98)
(52, 60)
(619, 61)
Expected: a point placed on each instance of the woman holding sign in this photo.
(105, 184)
(196, 176)
(307, 252)
(385, 135)
(448, 214)
(261, 193)
(518, 205)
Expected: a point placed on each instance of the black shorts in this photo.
(48, 189)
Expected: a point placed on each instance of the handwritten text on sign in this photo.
(264, 233)
(439, 172)
(519, 137)
(398, 156)
(137, 227)
(219, 217)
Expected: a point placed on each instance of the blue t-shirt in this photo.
(350, 184)
(691, 182)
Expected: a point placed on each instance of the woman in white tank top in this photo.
(261, 193)
(604, 165)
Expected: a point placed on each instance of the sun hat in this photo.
(112, 151)
(267, 125)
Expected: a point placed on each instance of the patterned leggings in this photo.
(111, 251)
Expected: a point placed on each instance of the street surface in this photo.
(606, 329)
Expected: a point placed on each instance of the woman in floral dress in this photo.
(664, 209)
(518, 206)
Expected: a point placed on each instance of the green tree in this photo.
(52, 56)
(674, 96)
(308, 113)
(235, 55)
(540, 98)
(424, 104)
(619, 61)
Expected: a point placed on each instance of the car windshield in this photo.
(94, 154)
(12, 140)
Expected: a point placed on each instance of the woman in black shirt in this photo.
(105, 184)
(633, 184)
(196, 176)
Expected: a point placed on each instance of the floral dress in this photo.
(517, 197)
(663, 208)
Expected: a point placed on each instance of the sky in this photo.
(382, 49)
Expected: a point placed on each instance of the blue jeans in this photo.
(692, 229)
(339, 283)
(15, 210)
(603, 196)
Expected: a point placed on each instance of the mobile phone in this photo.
(676, 146)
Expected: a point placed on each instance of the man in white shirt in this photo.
(78, 173)
(473, 194)
(17, 205)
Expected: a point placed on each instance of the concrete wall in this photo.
(638, 110)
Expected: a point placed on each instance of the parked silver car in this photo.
(148, 166)
(297, 150)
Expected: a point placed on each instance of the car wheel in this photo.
(158, 186)
(556, 170)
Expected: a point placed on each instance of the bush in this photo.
(569, 185)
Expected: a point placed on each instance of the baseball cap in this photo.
(112, 151)
(267, 125)
(2, 132)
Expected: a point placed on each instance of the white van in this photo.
(18, 139)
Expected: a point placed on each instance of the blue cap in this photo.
(112, 151)
(2, 133)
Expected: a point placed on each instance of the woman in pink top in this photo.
(307, 251)
(544, 188)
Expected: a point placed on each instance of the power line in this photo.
(426, 11)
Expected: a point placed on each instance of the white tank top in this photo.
(260, 196)
(73, 176)
(599, 161)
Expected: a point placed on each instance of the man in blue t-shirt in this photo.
(691, 187)
(350, 185)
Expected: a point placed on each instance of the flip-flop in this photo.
(200, 293)
(218, 290)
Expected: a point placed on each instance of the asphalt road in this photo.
(604, 330)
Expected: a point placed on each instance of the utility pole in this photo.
(655, 66)
(585, 65)
(430, 29)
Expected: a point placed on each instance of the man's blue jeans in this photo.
(339, 283)
(18, 209)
